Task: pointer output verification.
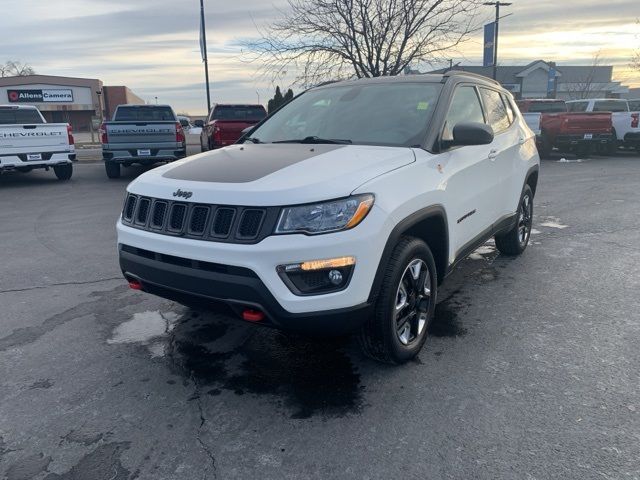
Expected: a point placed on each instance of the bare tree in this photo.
(585, 85)
(317, 40)
(13, 68)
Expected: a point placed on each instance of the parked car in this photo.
(579, 133)
(28, 142)
(343, 211)
(185, 122)
(141, 134)
(225, 124)
(626, 123)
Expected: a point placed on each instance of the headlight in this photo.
(325, 217)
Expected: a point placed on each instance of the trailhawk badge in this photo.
(183, 194)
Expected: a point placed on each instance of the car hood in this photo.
(271, 174)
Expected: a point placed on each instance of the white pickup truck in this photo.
(626, 122)
(27, 142)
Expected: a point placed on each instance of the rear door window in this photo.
(511, 114)
(495, 110)
(18, 116)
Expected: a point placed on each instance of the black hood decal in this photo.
(245, 163)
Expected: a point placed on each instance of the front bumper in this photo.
(365, 242)
(229, 289)
(12, 162)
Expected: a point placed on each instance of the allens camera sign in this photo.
(40, 96)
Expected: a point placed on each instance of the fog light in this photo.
(315, 277)
(335, 277)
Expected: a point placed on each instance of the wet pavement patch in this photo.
(446, 321)
(103, 463)
(80, 438)
(308, 376)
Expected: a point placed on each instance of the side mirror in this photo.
(472, 133)
(199, 123)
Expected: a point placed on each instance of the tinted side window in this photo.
(577, 106)
(495, 110)
(511, 115)
(611, 106)
(465, 107)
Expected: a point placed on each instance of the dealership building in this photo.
(81, 102)
(540, 79)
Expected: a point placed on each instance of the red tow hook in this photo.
(135, 285)
(252, 315)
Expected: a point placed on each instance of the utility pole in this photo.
(497, 4)
(203, 48)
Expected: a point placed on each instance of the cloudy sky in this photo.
(152, 45)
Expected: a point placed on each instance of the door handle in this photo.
(493, 154)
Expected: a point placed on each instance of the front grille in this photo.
(223, 221)
(143, 211)
(250, 223)
(216, 223)
(198, 220)
(159, 214)
(176, 219)
(129, 207)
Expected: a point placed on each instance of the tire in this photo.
(63, 172)
(202, 147)
(112, 169)
(515, 241)
(545, 147)
(381, 337)
(612, 147)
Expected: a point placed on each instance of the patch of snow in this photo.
(157, 349)
(143, 327)
(535, 232)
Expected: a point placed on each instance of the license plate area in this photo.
(588, 136)
(144, 152)
(33, 156)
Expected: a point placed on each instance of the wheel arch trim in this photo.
(436, 211)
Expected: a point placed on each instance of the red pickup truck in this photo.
(225, 124)
(580, 133)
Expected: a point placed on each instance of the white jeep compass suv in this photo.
(342, 211)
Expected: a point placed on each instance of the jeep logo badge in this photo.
(183, 194)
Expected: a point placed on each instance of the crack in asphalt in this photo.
(207, 450)
(61, 284)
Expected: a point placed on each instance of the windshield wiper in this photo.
(314, 139)
(253, 140)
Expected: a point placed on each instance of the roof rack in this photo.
(452, 73)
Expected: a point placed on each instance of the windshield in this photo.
(239, 112)
(392, 114)
(144, 113)
(15, 116)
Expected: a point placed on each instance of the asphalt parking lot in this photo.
(531, 371)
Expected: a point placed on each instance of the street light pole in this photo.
(203, 47)
(497, 4)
